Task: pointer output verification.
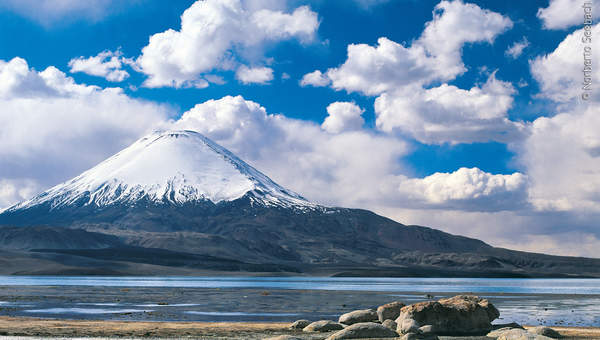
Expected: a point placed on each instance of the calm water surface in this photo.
(425, 285)
(569, 302)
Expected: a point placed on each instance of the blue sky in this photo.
(341, 24)
(461, 130)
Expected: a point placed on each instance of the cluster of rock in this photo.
(462, 315)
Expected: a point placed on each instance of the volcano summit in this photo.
(175, 202)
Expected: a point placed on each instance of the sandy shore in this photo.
(47, 328)
(11, 326)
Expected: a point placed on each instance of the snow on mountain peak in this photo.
(169, 166)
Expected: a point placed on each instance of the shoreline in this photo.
(39, 327)
(260, 305)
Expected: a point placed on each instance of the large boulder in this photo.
(545, 331)
(364, 330)
(299, 324)
(363, 315)
(389, 311)
(459, 315)
(323, 326)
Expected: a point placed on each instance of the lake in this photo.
(568, 302)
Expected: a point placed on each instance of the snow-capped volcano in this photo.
(168, 167)
(177, 203)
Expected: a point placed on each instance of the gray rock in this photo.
(416, 336)
(459, 315)
(284, 337)
(391, 324)
(427, 329)
(389, 311)
(410, 336)
(363, 330)
(363, 315)
(545, 331)
(408, 326)
(299, 324)
(323, 326)
(520, 334)
(497, 332)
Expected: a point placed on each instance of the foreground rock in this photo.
(537, 333)
(418, 336)
(459, 315)
(364, 315)
(391, 324)
(364, 330)
(389, 311)
(323, 326)
(518, 334)
(284, 337)
(299, 324)
(427, 329)
(545, 331)
(497, 332)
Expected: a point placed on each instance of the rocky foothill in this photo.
(462, 315)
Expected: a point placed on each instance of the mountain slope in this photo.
(177, 192)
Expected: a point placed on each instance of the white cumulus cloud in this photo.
(562, 156)
(435, 55)
(560, 73)
(515, 50)
(343, 116)
(448, 114)
(254, 75)
(468, 189)
(315, 78)
(400, 75)
(106, 64)
(562, 14)
(217, 35)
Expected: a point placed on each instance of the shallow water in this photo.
(561, 302)
(459, 285)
